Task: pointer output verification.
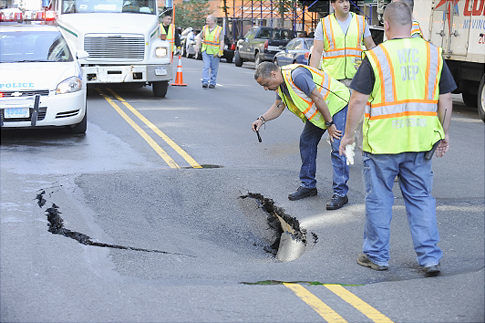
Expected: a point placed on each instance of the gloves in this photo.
(221, 53)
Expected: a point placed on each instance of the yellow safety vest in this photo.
(335, 94)
(170, 35)
(211, 40)
(343, 52)
(416, 30)
(401, 115)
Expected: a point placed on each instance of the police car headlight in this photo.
(161, 52)
(69, 85)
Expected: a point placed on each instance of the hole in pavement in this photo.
(56, 226)
(203, 166)
(286, 240)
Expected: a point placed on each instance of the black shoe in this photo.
(364, 261)
(337, 202)
(302, 192)
(431, 271)
(211, 86)
(204, 85)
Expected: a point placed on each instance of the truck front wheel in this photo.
(160, 88)
(481, 99)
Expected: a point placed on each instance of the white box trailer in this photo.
(122, 39)
(459, 28)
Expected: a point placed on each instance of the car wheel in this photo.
(81, 127)
(481, 99)
(237, 59)
(257, 60)
(160, 88)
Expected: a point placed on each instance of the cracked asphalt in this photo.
(111, 186)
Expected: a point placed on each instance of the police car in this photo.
(41, 81)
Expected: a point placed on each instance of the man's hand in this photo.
(346, 140)
(256, 125)
(443, 147)
(334, 132)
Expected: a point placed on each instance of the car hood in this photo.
(35, 76)
(108, 23)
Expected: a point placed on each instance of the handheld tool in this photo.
(257, 133)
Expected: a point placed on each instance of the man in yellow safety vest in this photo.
(320, 101)
(167, 32)
(212, 50)
(403, 87)
(339, 36)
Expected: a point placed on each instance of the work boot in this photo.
(364, 261)
(431, 271)
(204, 85)
(302, 192)
(337, 202)
(211, 86)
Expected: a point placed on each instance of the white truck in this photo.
(122, 38)
(458, 27)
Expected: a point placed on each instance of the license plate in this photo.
(15, 113)
(160, 71)
(274, 48)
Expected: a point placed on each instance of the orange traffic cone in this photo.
(179, 79)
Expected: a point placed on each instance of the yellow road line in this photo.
(160, 133)
(315, 303)
(358, 303)
(159, 150)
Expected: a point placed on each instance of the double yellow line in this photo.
(155, 146)
(327, 313)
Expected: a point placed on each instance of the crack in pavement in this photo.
(56, 226)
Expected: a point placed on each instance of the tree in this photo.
(191, 14)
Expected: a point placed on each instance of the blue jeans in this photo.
(210, 62)
(415, 181)
(309, 139)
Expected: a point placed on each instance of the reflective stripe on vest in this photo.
(342, 51)
(211, 42)
(416, 30)
(302, 105)
(401, 115)
(170, 35)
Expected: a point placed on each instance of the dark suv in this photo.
(261, 44)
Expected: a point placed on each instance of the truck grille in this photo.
(115, 47)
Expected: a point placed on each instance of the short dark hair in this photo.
(264, 70)
(410, 4)
(398, 14)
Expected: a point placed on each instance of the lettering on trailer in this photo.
(408, 61)
(16, 85)
(471, 8)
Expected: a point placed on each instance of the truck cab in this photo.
(121, 39)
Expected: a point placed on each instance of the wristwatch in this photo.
(329, 123)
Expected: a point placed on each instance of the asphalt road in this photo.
(142, 233)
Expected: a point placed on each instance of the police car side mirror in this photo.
(82, 54)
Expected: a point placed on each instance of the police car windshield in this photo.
(110, 6)
(33, 46)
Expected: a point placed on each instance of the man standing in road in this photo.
(404, 87)
(321, 102)
(167, 32)
(340, 36)
(212, 50)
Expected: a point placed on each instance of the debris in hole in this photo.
(56, 226)
(289, 240)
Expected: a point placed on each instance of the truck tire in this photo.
(481, 99)
(81, 127)
(160, 88)
(237, 59)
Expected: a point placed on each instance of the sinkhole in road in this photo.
(285, 238)
(56, 226)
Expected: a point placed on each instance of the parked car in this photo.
(261, 44)
(41, 80)
(296, 51)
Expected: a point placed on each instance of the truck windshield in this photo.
(109, 6)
